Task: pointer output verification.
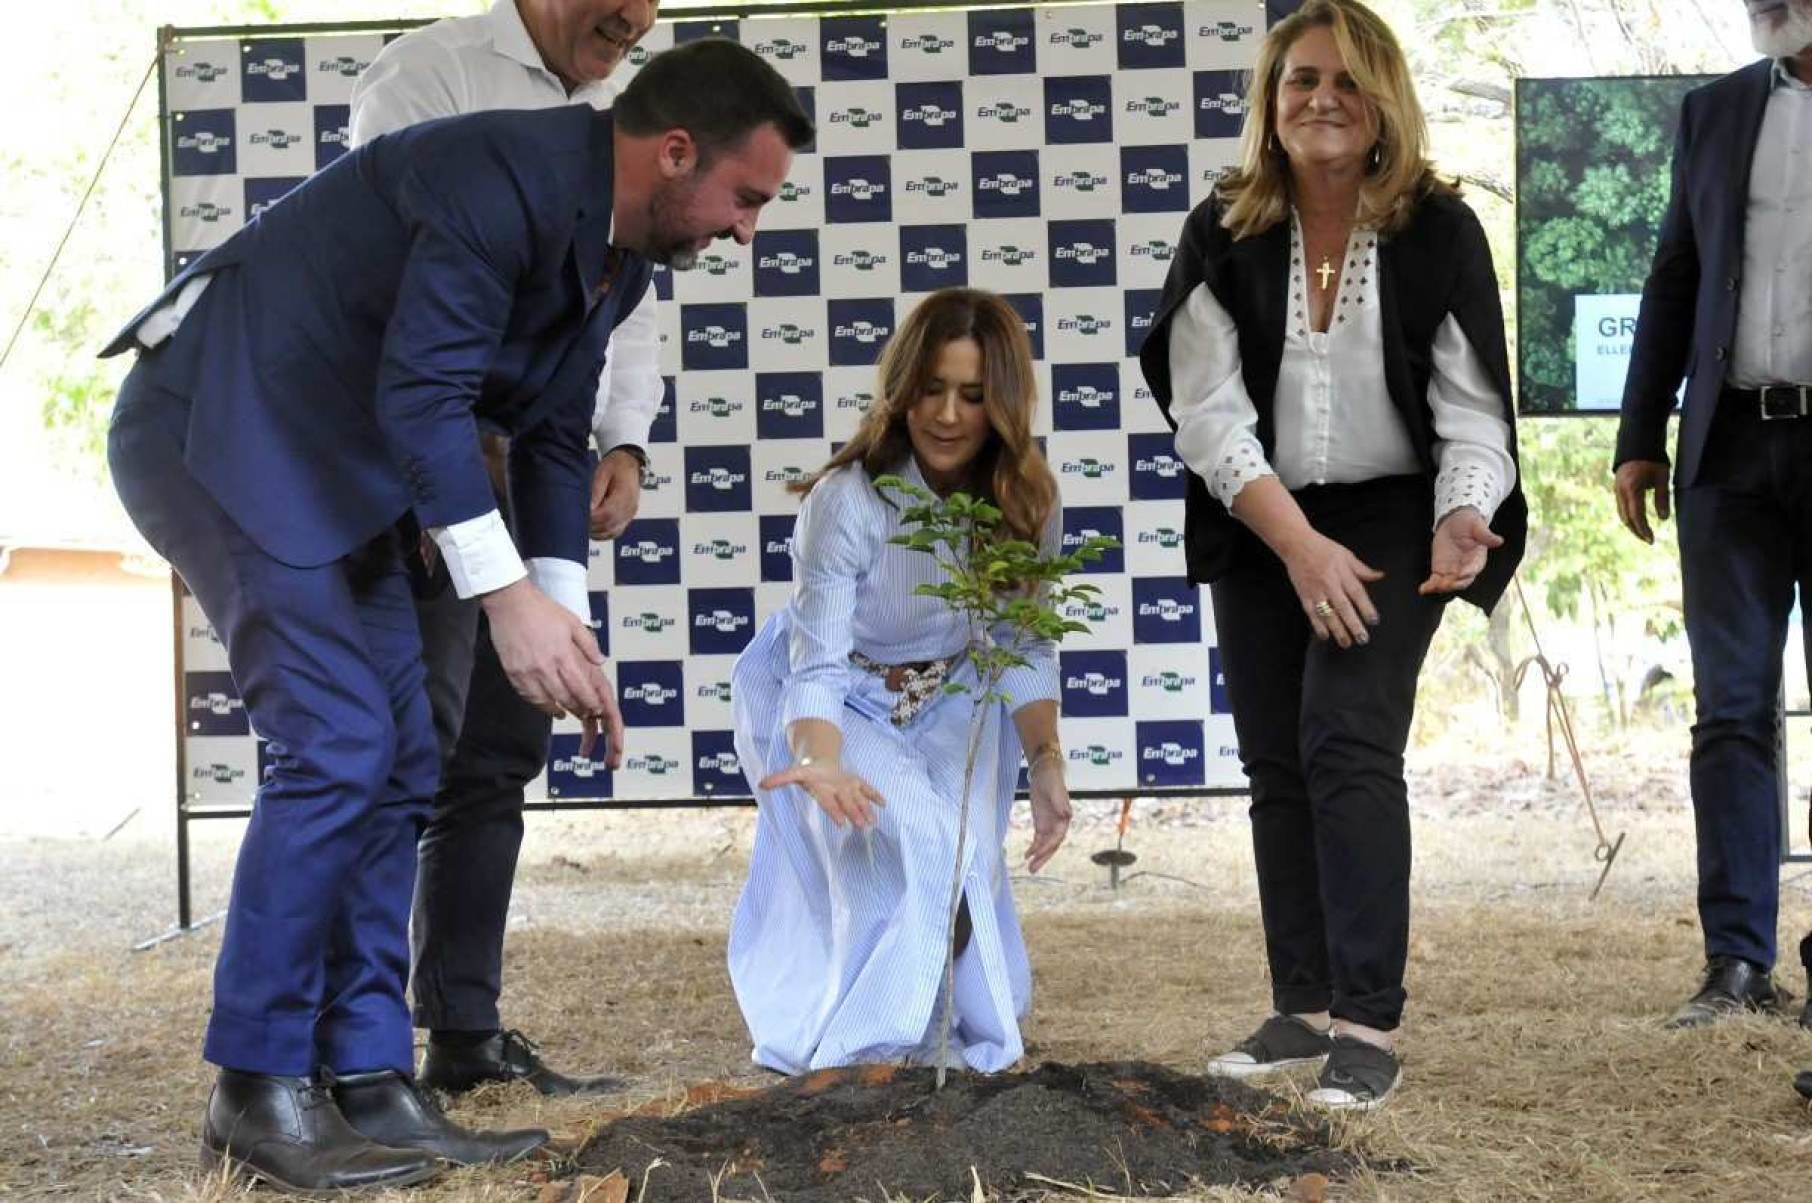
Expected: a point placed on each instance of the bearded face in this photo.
(1780, 27)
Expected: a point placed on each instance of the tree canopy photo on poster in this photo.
(1592, 163)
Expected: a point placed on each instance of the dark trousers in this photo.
(1321, 737)
(492, 744)
(1745, 529)
(328, 663)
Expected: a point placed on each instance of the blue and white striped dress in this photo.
(837, 944)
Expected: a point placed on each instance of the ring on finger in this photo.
(1324, 608)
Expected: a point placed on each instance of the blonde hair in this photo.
(1010, 470)
(1256, 196)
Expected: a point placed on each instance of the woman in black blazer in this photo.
(1329, 348)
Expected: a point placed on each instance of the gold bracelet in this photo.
(1050, 749)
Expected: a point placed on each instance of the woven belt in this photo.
(916, 683)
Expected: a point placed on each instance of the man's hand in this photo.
(553, 661)
(616, 491)
(1636, 479)
(1462, 542)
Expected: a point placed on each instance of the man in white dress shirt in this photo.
(522, 54)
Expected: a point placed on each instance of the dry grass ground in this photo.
(1535, 1068)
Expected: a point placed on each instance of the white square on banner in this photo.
(663, 487)
(205, 210)
(202, 75)
(1221, 748)
(1090, 469)
(1222, 34)
(335, 63)
(1099, 752)
(927, 46)
(1139, 412)
(1168, 681)
(1076, 39)
(1108, 613)
(1154, 538)
(221, 769)
(1080, 181)
(723, 270)
(648, 621)
(1084, 325)
(777, 464)
(848, 395)
(1003, 112)
(789, 44)
(202, 650)
(787, 334)
(1152, 107)
(655, 765)
(1147, 243)
(770, 599)
(1007, 254)
(1209, 160)
(861, 260)
(715, 408)
(277, 140)
(800, 203)
(718, 549)
(1043, 418)
(708, 703)
(931, 187)
(856, 118)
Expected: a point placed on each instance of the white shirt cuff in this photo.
(480, 556)
(564, 581)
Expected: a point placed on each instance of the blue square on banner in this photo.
(1078, 108)
(1157, 470)
(333, 123)
(1151, 35)
(1094, 684)
(721, 620)
(853, 47)
(204, 142)
(786, 263)
(263, 193)
(663, 283)
(929, 116)
(1085, 396)
(1170, 752)
(692, 31)
(1005, 183)
(1220, 104)
(789, 405)
(1030, 307)
(1154, 179)
(1166, 609)
(858, 188)
(598, 602)
(653, 692)
(777, 547)
(1082, 253)
(1141, 304)
(666, 419)
(1082, 521)
(857, 329)
(714, 337)
(1002, 42)
(933, 257)
(715, 770)
(272, 70)
(213, 706)
(570, 775)
(1217, 685)
(717, 480)
(647, 552)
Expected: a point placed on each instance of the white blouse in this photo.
(1333, 419)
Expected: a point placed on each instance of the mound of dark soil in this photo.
(877, 1132)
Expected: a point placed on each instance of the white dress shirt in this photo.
(1773, 342)
(1333, 420)
(468, 65)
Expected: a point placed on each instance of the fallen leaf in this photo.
(1310, 1188)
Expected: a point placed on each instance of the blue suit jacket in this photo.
(352, 338)
(1687, 322)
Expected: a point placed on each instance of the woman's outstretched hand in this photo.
(839, 793)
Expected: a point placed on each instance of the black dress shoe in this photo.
(390, 1109)
(288, 1133)
(504, 1057)
(1730, 987)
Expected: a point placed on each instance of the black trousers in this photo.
(492, 744)
(1321, 737)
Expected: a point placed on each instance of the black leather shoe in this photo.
(505, 1057)
(390, 1109)
(288, 1133)
(1731, 986)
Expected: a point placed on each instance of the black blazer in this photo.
(1687, 322)
(1438, 264)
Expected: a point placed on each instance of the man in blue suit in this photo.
(306, 404)
(1728, 307)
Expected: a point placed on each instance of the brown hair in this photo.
(1010, 471)
(1256, 195)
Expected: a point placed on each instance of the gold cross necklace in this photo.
(1325, 271)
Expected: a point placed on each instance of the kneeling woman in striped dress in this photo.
(837, 945)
